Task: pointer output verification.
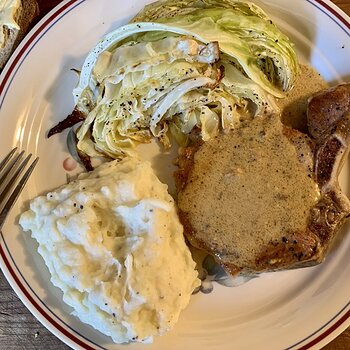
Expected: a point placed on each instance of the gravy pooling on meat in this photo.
(257, 187)
(253, 197)
(293, 107)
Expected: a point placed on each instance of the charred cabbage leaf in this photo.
(180, 65)
(243, 31)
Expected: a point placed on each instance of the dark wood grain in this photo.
(344, 5)
(18, 327)
(47, 5)
(20, 330)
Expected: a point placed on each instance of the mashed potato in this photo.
(114, 245)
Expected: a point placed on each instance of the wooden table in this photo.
(20, 330)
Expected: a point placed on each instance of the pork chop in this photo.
(266, 197)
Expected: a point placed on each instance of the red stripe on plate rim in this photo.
(327, 332)
(33, 302)
(338, 13)
(11, 271)
(9, 268)
(28, 42)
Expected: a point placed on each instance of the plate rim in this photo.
(71, 337)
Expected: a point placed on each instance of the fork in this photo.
(11, 168)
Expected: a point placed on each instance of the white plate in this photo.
(298, 309)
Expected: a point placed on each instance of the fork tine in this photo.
(16, 192)
(7, 158)
(10, 166)
(14, 177)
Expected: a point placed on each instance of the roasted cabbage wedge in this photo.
(181, 65)
(243, 31)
